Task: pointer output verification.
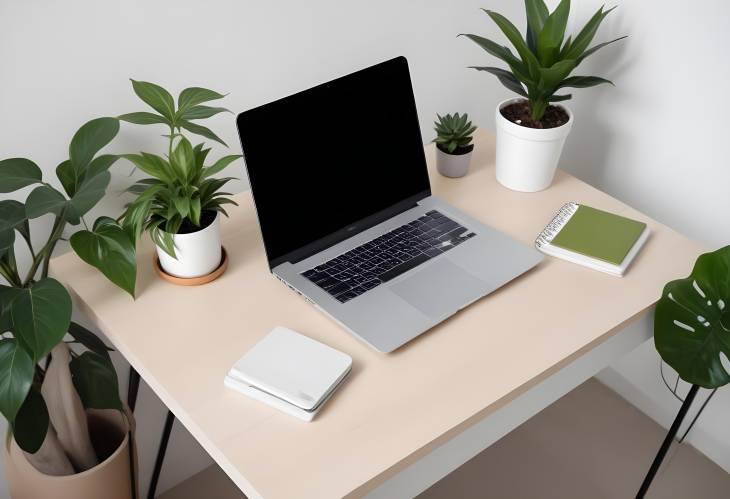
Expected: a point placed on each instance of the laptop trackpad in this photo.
(439, 289)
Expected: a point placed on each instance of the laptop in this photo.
(341, 189)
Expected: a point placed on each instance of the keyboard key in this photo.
(403, 248)
(403, 267)
(338, 288)
(432, 252)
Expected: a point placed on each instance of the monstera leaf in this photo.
(692, 322)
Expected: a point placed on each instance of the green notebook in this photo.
(593, 237)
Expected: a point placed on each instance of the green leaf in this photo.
(592, 50)
(7, 241)
(559, 98)
(505, 77)
(12, 214)
(101, 164)
(537, 13)
(16, 377)
(220, 165)
(95, 381)
(31, 423)
(144, 118)
(90, 192)
(68, 176)
(16, 173)
(554, 75)
(585, 36)
(44, 199)
(195, 210)
(41, 314)
(182, 205)
(201, 130)
(503, 53)
(583, 81)
(156, 97)
(195, 95)
(551, 37)
(151, 164)
(89, 340)
(89, 140)
(200, 112)
(515, 38)
(692, 321)
(109, 249)
(183, 160)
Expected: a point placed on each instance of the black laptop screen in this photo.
(330, 161)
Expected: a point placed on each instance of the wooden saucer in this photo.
(193, 281)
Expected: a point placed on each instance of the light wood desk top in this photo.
(395, 407)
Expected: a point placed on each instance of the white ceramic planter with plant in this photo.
(69, 434)
(180, 205)
(453, 144)
(531, 130)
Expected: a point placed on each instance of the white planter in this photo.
(527, 157)
(453, 165)
(198, 253)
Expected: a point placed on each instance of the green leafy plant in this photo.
(692, 321)
(181, 189)
(453, 132)
(545, 58)
(35, 309)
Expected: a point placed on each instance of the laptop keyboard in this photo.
(388, 256)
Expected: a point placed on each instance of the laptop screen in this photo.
(331, 161)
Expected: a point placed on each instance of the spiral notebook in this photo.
(593, 238)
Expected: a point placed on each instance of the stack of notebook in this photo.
(593, 238)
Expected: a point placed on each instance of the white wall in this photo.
(658, 141)
(67, 62)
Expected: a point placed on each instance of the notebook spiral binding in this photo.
(557, 223)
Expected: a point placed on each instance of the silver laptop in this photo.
(340, 183)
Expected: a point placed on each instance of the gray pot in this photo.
(453, 165)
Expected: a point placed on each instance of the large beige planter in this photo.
(111, 479)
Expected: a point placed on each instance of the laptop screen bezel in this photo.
(359, 226)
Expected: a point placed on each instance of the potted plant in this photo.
(453, 144)
(179, 205)
(692, 333)
(51, 392)
(531, 129)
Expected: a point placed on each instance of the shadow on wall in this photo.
(593, 137)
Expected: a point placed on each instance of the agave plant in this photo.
(453, 131)
(546, 58)
(181, 192)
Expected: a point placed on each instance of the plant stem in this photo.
(172, 137)
(44, 255)
(538, 108)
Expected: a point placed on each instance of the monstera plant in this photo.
(45, 386)
(692, 333)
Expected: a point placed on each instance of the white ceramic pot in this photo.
(453, 165)
(198, 253)
(527, 157)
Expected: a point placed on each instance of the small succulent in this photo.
(545, 58)
(453, 132)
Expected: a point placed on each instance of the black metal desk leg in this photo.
(161, 453)
(132, 388)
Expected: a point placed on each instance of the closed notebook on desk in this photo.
(594, 238)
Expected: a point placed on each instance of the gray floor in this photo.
(589, 444)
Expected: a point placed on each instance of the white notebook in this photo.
(291, 372)
(593, 238)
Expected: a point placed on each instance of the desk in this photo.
(402, 420)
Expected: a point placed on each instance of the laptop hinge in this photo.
(351, 230)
